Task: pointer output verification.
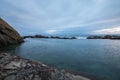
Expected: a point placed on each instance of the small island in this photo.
(48, 37)
(113, 37)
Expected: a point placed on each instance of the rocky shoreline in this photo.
(48, 37)
(17, 68)
(113, 37)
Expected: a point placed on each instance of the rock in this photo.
(115, 37)
(55, 37)
(94, 37)
(8, 35)
(104, 37)
(52, 37)
(107, 37)
(36, 36)
(40, 36)
(65, 38)
(73, 38)
(18, 68)
(24, 37)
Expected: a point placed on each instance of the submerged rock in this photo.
(8, 35)
(18, 68)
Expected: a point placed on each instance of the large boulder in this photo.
(8, 35)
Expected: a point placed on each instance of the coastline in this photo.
(14, 67)
(17, 68)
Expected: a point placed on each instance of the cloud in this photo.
(91, 23)
(46, 15)
(51, 31)
(115, 30)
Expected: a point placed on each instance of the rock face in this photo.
(18, 68)
(8, 35)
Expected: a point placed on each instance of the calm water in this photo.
(100, 58)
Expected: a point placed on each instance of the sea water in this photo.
(100, 58)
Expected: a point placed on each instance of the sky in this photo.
(65, 17)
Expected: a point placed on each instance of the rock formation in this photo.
(18, 68)
(48, 37)
(114, 37)
(8, 35)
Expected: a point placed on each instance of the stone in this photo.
(18, 68)
(8, 35)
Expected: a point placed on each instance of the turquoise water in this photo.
(100, 58)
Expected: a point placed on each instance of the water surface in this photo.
(100, 58)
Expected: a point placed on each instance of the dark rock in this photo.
(94, 37)
(40, 36)
(104, 37)
(73, 38)
(55, 37)
(115, 37)
(8, 35)
(28, 37)
(107, 37)
(18, 68)
(65, 38)
(36, 36)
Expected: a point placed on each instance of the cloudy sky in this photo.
(62, 16)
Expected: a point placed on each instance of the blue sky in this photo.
(62, 16)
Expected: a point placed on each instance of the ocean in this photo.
(99, 58)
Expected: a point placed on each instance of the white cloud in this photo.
(115, 30)
(51, 31)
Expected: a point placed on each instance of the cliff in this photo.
(8, 35)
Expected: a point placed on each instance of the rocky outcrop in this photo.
(104, 37)
(8, 35)
(18, 68)
(51, 37)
